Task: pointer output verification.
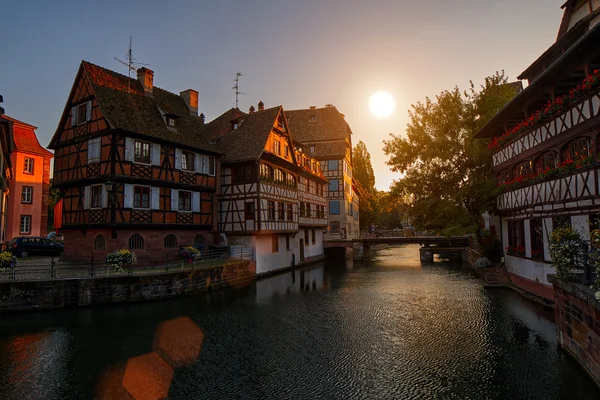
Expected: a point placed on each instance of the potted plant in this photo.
(190, 254)
(7, 260)
(118, 258)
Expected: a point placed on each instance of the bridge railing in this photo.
(392, 233)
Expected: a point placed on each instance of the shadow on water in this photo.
(389, 328)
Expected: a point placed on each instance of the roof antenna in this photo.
(237, 88)
(130, 64)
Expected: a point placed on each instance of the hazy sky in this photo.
(294, 53)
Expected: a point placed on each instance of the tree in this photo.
(445, 170)
(365, 178)
(54, 197)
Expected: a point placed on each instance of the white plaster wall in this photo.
(527, 226)
(266, 260)
(580, 223)
(529, 269)
(312, 250)
(547, 232)
(289, 283)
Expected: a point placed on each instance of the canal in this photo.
(388, 329)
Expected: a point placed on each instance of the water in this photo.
(390, 329)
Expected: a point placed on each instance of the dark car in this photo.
(25, 246)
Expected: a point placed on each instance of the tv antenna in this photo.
(131, 64)
(237, 88)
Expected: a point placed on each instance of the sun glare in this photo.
(382, 104)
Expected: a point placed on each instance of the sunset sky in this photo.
(297, 54)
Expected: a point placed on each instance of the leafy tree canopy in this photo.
(446, 172)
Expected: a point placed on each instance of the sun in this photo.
(382, 104)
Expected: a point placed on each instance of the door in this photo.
(301, 250)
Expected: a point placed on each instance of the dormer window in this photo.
(312, 149)
(235, 125)
(312, 118)
(171, 122)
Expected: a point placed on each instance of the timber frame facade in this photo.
(549, 168)
(134, 166)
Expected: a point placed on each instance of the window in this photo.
(99, 243)
(516, 236)
(27, 194)
(141, 197)
(82, 114)
(243, 173)
(25, 224)
(334, 227)
(199, 241)
(503, 177)
(306, 242)
(290, 212)
(266, 171)
(271, 211)
(277, 147)
(141, 152)
(281, 211)
(302, 209)
(287, 243)
(561, 222)
(185, 201)
(136, 242)
(334, 185)
(537, 239)
(96, 197)
(279, 176)
(171, 122)
(170, 241)
(308, 210)
(312, 118)
(94, 146)
(187, 161)
(522, 169)
(286, 150)
(576, 150)
(290, 180)
(545, 161)
(334, 208)
(332, 165)
(28, 166)
(312, 149)
(275, 243)
(314, 237)
(249, 210)
(211, 165)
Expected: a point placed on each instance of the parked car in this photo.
(25, 246)
(57, 237)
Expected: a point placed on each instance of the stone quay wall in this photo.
(577, 318)
(17, 296)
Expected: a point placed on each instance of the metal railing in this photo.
(49, 268)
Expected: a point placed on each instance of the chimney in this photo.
(190, 97)
(202, 117)
(261, 106)
(146, 78)
(252, 109)
(313, 107)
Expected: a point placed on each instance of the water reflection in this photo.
(392, 328)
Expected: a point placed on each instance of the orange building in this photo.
(29, 188)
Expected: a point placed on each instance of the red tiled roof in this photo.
(25, 139)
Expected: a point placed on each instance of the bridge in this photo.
(430, 245)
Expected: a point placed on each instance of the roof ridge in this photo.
(16, 121)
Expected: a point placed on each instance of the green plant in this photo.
(190, 254)
(566, 248)
(117, 258)
(7, 260)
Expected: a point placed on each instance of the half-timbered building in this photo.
(324, 134)
(135, 166)
(545, 148)
(271, 197)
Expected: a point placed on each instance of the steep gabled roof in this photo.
(25, 139)
(329, 125)
(126, 106)
(222, 124)
(247, 142)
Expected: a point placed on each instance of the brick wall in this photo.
(80, 246)
(55, 294)
(577, 318)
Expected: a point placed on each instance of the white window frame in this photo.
(75, 113)
(179, 197)
(92, 205)
(23, 224)
(149, 198)
(24, 199)
(28, 168)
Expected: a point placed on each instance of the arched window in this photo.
(136, 242)
(576, 150)
(279, 177)
(334, 227)
(503, 177)
(522, 169)
(266, 171)
(99, 243)
(170, 241)
(545, 161)
(199, 242)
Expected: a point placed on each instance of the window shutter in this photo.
(198, 163)
(155, 154)
(155, 198)
(73, 116)
(86, 197)
(129, 149)
(128, 198)
(177, 158)
(174, 200)
(88, 111)
(104, 197)
(196, 201)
